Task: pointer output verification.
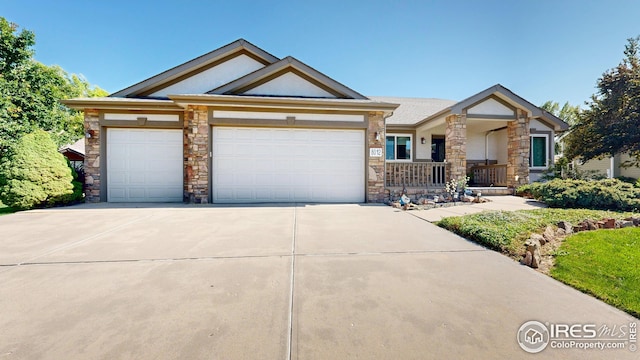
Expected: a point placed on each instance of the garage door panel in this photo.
(287, 165)
(144, 165)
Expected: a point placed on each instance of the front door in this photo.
(437, 148)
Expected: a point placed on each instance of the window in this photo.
(398, 147)
(538, 151)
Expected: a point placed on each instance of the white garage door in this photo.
(144, 165)
(287, 165)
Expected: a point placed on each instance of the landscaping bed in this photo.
(507, 231)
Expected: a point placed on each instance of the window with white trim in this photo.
(539, 151)
(398, 147)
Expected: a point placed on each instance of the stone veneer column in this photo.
(456, 146)
(92, 155)
(196, 155)
(518, 150)
(375, 181)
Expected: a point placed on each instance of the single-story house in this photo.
(606, 166)
(74, 153)
(609, 167)
(241, 125)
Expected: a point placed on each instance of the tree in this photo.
(567, 112)
(611, 124)
(33, 173)
(30, 92)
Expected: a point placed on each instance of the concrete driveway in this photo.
(268, 282)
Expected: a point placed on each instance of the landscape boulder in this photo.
(624, 224)
(635, 220)
(590, 225)
(532, 256)
(549, 235)
(566, 226)
(609, 223)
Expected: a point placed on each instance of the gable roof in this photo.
(506, 95)
(77, 147)
(195, 66)
(413, 110)
(287, 65)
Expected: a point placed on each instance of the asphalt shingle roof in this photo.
(413, 110)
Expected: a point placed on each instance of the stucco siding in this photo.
(475, 146)
(423, 151)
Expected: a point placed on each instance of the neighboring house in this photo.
(608, 166)
(241, 125)
(75, 153)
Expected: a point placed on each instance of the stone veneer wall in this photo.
(456, 146)
(518, 150)
(375, 181)
(196, 155)
(92, 155)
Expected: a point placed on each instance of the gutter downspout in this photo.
(612, 167)
(486, 143)
(486, 146)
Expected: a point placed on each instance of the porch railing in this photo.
(419, 174)
(490, 175)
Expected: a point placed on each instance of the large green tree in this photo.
(569, 113)
(611, 124)
(30, 92)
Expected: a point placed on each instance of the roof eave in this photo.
(121, 104)
(289, 103)
(72, 151)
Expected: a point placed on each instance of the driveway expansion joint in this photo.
(292, 284)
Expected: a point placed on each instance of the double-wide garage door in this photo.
(249, 165)
(287, 165)
(144, 165)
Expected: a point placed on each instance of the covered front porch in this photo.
(453, 148)
(433, 175)
(495, 138)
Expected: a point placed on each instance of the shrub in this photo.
(78, 185)
(607, 194)
(626, 179)
(34, 174)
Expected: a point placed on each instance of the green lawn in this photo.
(4, 209)
(605, 264)
(506, 231)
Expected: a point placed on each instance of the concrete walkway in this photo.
(507, 203)
(268, 282)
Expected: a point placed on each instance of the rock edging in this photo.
(532, 256)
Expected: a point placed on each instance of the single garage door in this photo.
(144, 165)
(287, 165)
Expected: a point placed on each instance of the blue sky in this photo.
(540, 49)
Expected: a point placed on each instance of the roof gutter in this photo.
(279, 103)
(121, 104)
